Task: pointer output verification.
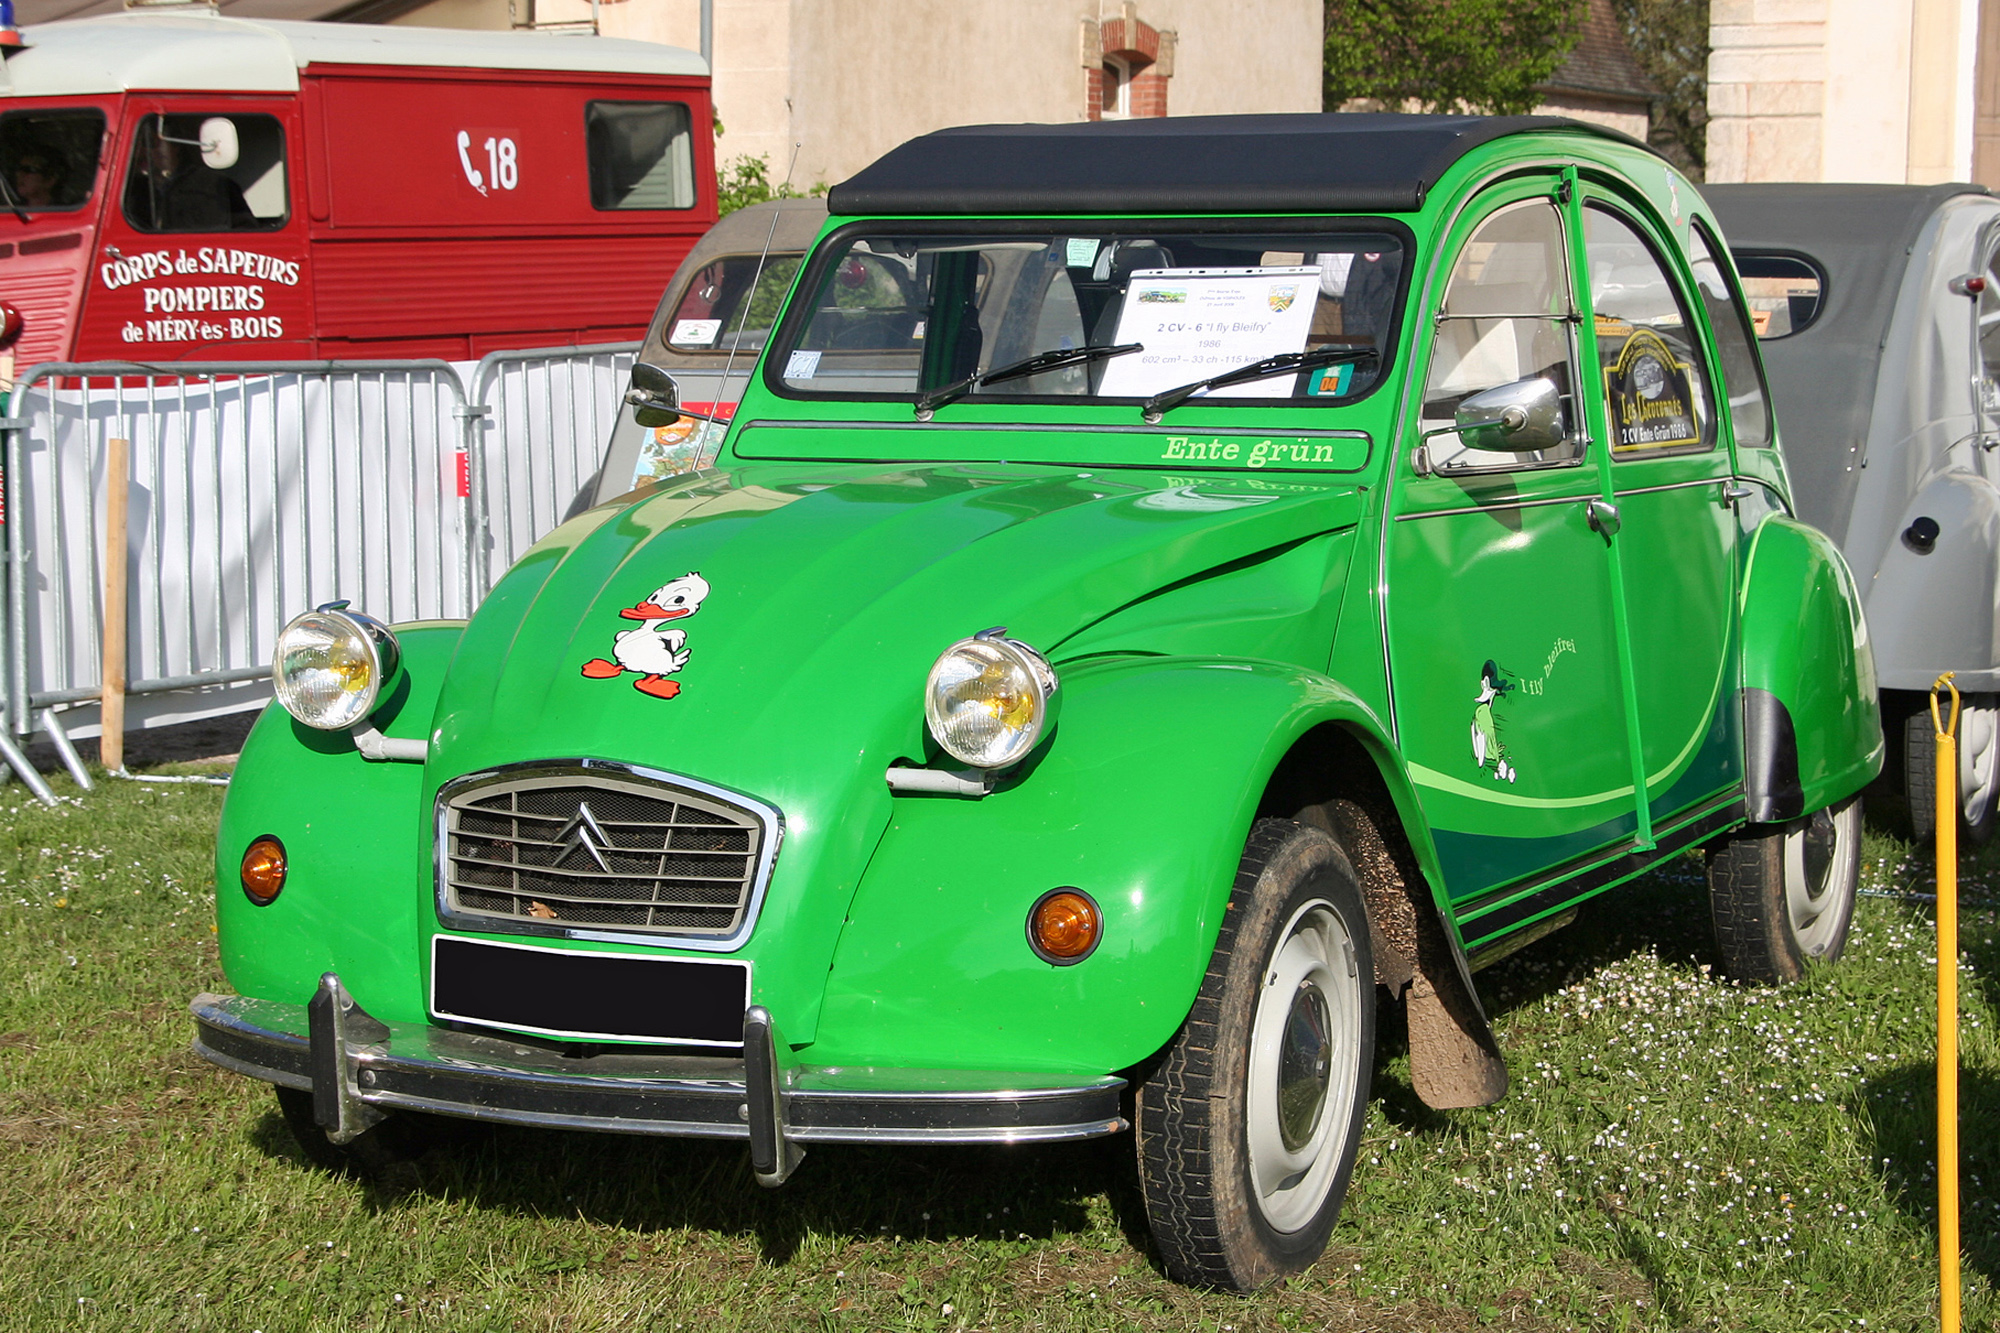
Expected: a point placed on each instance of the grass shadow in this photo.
(861, 1193)
(1898, 1114)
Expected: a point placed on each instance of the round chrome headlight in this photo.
(988, 699)
(330, 666)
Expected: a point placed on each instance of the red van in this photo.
(187, 186)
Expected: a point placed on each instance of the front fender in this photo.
(1812, 728)
(1143, 798)
(1933, 611)
(357, 886)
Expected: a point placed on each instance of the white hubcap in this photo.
(1822, 861)
(1304, 1047)
(1978, 760)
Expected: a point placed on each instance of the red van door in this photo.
(202, 255)
(53, 179)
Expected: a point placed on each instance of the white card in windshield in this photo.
(1199, 322)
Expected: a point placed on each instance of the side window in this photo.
(198, 172)
(720, 312)
(1656, 391)
(49, 157)
(1503, 320)
(1989, 334)
(1785, 292)
(1742, 376)
(641, 155)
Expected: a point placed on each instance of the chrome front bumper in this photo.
(358, 1068)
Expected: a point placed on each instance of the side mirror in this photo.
(220, 149)
(654, 396)
(1524, 417)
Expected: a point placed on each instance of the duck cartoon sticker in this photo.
(652, 649)
(1487, 749)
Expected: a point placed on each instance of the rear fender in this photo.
(1143, 798)
(1812, 728)
(1931, 603)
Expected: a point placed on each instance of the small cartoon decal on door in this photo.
(652, 650)
(1488, 751)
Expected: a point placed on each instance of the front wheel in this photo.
(1249, 1124)
(1783, 893)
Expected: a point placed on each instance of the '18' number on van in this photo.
(502, 163)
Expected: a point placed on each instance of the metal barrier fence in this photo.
(260, 489)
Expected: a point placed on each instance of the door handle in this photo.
(1603, 516)
(1734, 491)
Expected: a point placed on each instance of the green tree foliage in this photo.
(1670, 40)
(746, 180)
(1447, 55)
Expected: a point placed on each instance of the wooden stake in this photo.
(117, 493)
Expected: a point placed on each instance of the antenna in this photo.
(743, 314)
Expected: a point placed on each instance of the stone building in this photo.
(1887, 91)
(1601, 82)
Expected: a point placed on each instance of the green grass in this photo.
(1677, 1153)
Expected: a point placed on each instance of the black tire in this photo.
(1784, 893)
(1978, 771)
(1267, 1080)
(392, 1145)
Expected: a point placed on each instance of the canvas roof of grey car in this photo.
(1294, 163)
(1861, 237)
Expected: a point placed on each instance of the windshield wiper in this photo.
(1039, 363)
(1159, 403)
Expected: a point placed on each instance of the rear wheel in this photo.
(1783, 893)
(1978, 770)
(1249, 1124)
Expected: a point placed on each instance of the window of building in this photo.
(641, 155)
(183, 178)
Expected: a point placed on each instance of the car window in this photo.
(1742, 375)
(1989, 335)
(1655, 387)
(1785, 292)
(883, 316)
(721, 311)
(48, 158)
(183, 178)
(1503, 320)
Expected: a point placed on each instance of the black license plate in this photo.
(597, 996)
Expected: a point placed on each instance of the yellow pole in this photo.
(1947, 1002)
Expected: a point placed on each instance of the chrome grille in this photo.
(586, 849)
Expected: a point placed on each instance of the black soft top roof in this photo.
(1333, 162)
(1861, 235)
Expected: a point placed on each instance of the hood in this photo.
(811, 601)
(808, 603)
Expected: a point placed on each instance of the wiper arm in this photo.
(1039, 363)
(1280, 364)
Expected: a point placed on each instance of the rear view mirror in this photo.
(1524, 417)
(654, 397)
(219, 147)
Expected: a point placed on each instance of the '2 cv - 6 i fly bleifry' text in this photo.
(1168, 588)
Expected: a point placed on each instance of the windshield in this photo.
(903, 315)
(50, 157)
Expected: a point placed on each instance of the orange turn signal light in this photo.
(264, 870)
(1064, 925)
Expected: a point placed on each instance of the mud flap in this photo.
(1454, 1060)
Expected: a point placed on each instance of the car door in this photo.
(1674, 499)
(202, 254)
(1503, 646)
